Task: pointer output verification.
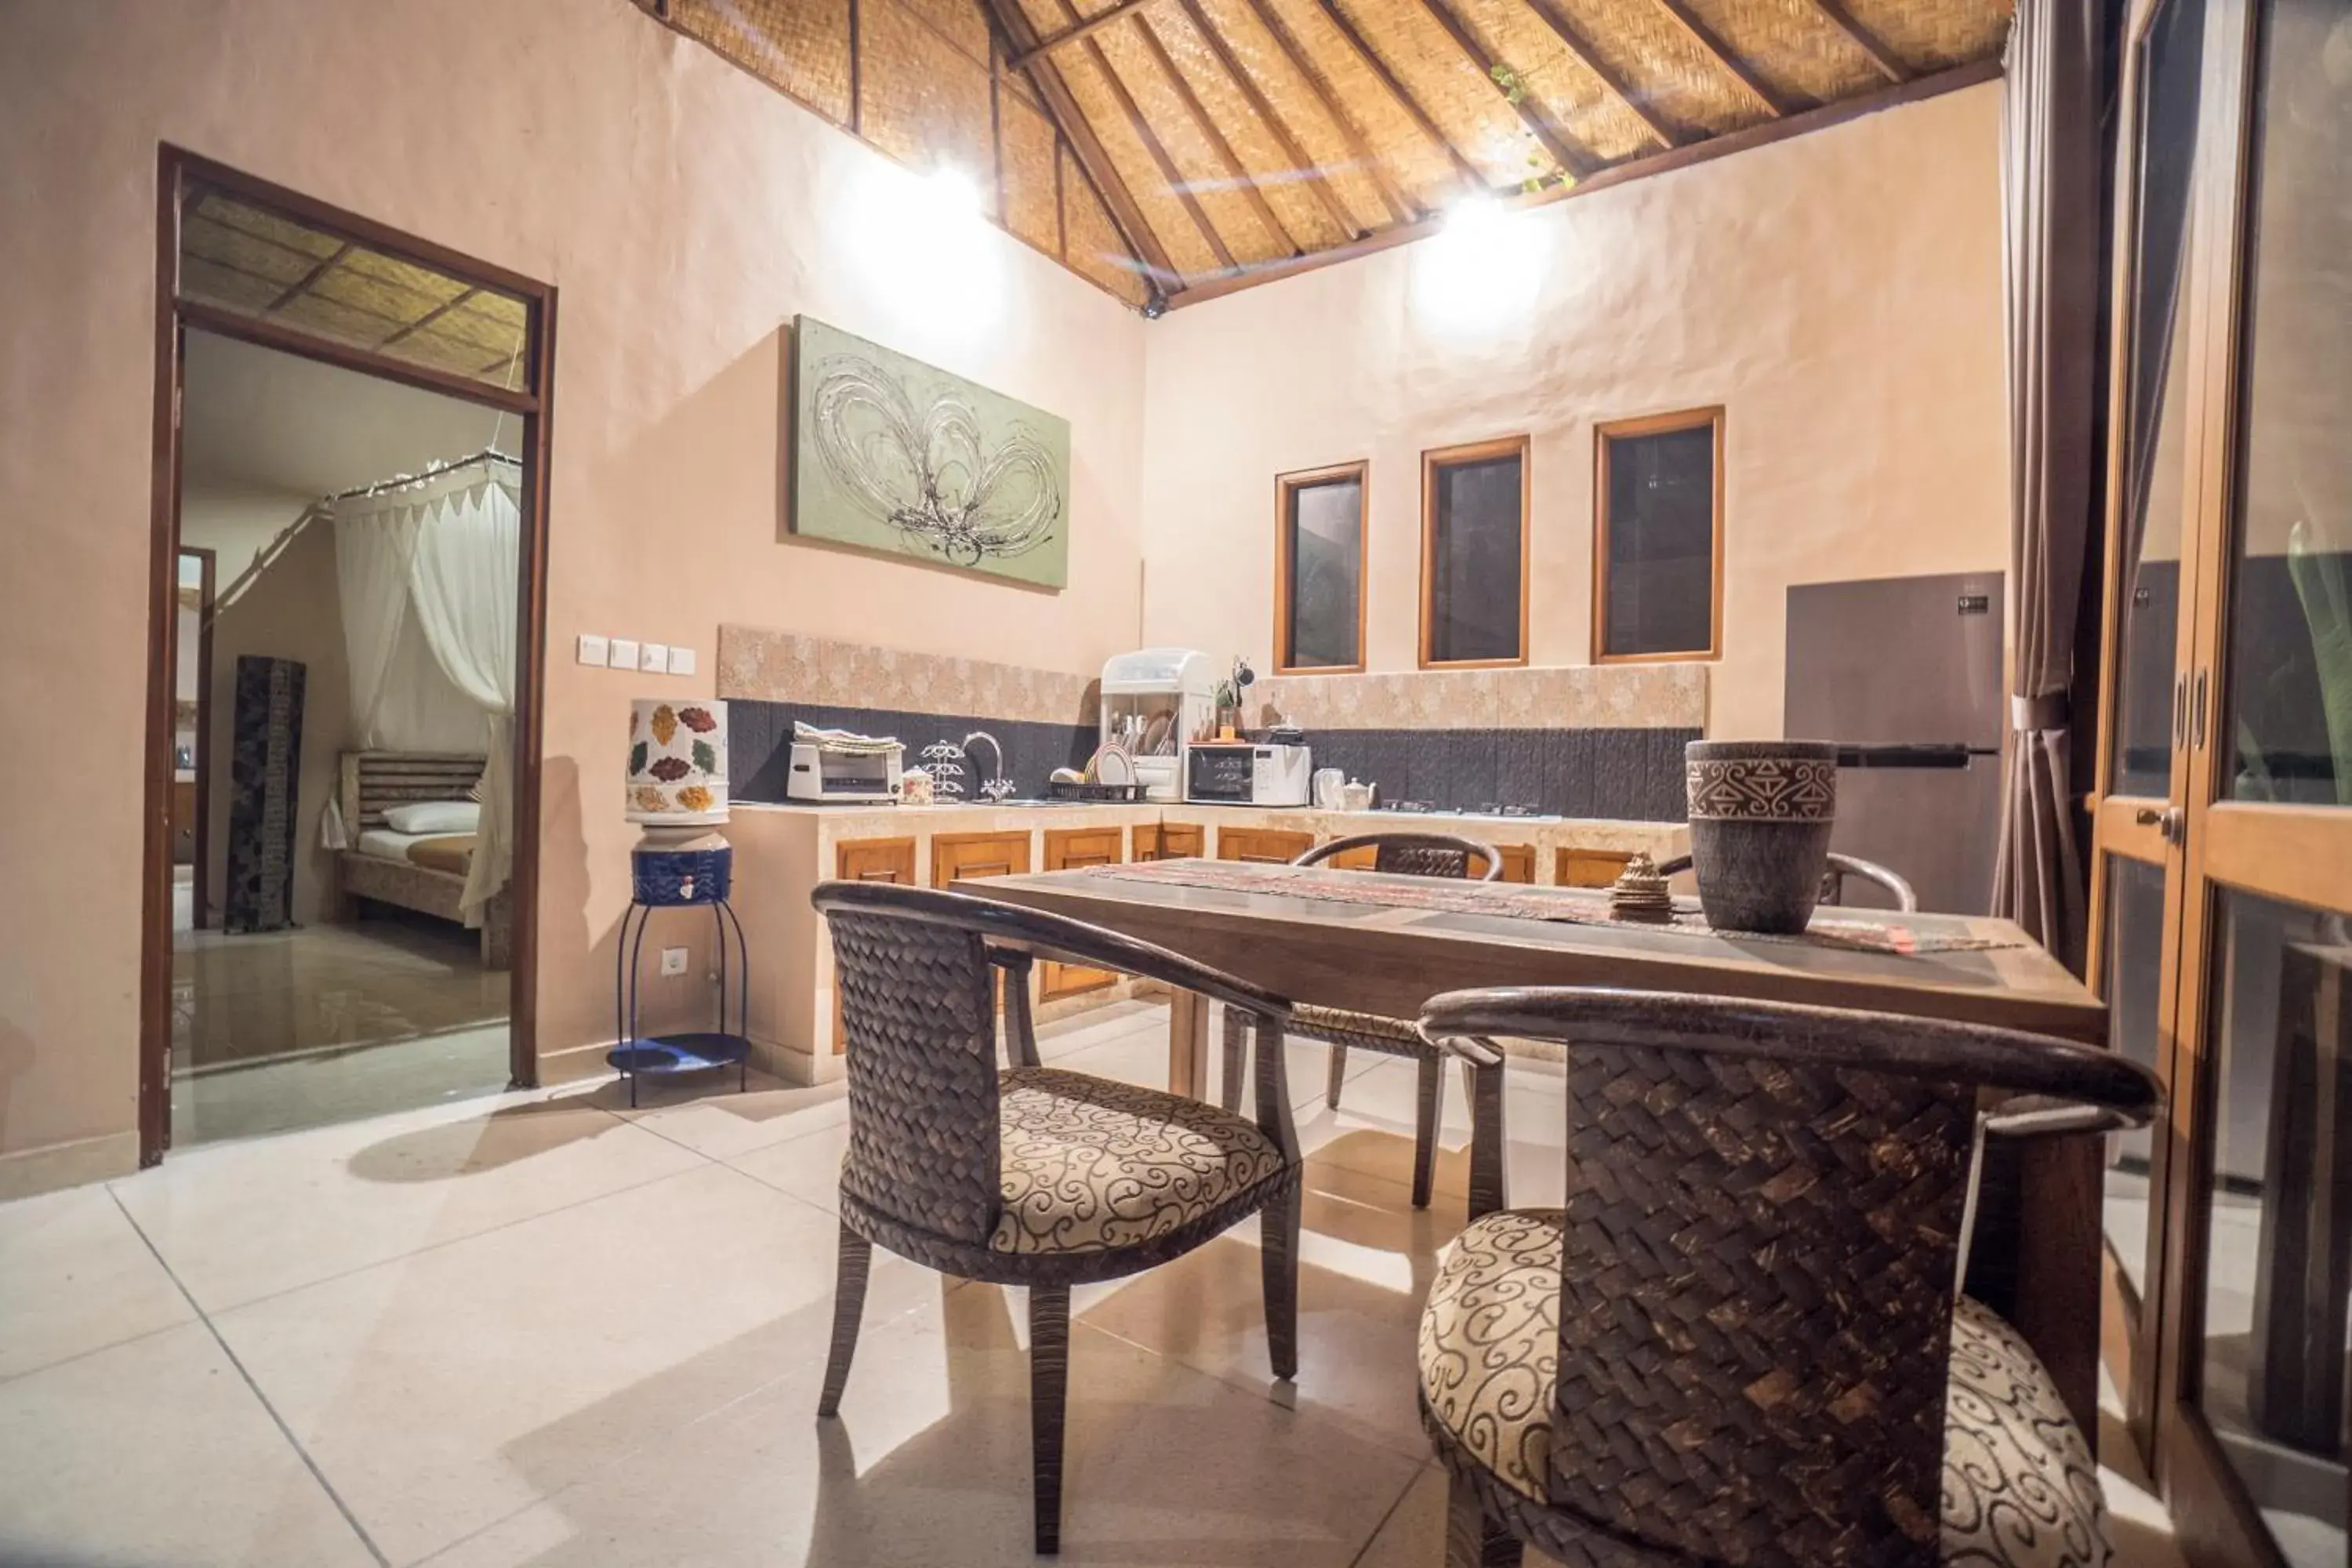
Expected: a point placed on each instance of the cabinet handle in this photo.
(2180, 710)
(882, 876)
(990, 869)
(2197, 710)
(2170, 822)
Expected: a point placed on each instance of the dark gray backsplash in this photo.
(1630, 774)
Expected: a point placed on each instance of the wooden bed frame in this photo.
(372, 783)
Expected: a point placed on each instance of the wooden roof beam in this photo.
(1083, 145)
(1235, 170)
(1562, 149)
(430, 317)
(1358, 145)
(1403, 95)
(1888, 63)
(1579, 49)
(1318, 183)
(1078, 29)
(302, 286)
(1776, 103)
(1178, 185)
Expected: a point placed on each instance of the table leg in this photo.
(1188, 1044)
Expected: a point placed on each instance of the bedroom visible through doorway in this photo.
(350, 951)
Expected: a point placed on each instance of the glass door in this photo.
(2253, 1398)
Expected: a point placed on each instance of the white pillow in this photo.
(436, 817)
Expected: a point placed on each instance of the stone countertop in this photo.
(970, 816)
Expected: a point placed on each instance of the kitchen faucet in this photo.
(996, 786)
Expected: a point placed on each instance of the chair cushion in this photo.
(2019, 1488)
(1323, 1022)
(1089, 1164)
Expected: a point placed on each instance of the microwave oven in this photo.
(1241, 772)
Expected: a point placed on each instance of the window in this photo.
(1318, 569)
(1657, 539)
(1473, 554)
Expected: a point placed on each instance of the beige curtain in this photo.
(2052, 155)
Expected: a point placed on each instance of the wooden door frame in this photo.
(533, 403)
(206, 590)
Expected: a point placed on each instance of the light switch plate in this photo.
(624, 653)
(593, 650)
(652, 658)
(673, 961)
(681, 660)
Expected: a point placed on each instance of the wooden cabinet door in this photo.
(1169, 841)
(1267, 846)
(1518, 863)
(1067, 849)
(971, 856)
(1591, 868)
(1361, 859)
(869, 860)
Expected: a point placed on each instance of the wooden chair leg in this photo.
(1424, 1126)
(1278, 1259)
(848, 1306)
(1338, 1076)
(1049, 1374)
(1236, 1057)
(1472, 1540)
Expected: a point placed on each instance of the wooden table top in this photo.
(1382, 959)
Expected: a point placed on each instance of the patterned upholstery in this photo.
(1321, 1022)
(1089, 1163)
(2020, 1489)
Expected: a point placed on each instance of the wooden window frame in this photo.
(1604, 433)
(1431, 460)
(1286, 486)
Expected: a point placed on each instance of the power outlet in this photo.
(673, 961)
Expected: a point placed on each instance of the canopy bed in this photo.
(428, 574)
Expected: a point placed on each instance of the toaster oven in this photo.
(833, 765)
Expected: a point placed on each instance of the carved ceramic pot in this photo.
(1761, 813)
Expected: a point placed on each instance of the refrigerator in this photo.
(1906, 672)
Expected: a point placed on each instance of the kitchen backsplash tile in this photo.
(1541, 697)
(762, 665)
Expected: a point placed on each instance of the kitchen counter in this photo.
(782, 851)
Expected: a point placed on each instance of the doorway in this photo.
(351, 470)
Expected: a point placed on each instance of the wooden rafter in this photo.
(1774, 101)
(1178, 185)
(1358, 146)
(1305, 167)
(431, 316)
(1234, 168)
(1549, 133)
(1078, 135)
(302, 286)
(1363, 50)
(1071, 35)
(1580, 49)
(1889, 64)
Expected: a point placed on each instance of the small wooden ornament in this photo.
(1640, 894)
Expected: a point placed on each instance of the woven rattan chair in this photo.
(1833, 879)
(1403, 854)
(1741, 1340)
(1035, 1175)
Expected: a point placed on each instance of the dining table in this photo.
(1383, 943)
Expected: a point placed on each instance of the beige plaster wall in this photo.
(1840, 293)
(684, 211)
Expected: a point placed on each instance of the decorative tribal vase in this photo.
(1760, 815)
(677, 790)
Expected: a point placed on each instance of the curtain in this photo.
(466, 585)
(402, 700)
(2053, 157)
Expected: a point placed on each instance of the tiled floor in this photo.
(545, 1328)
(278, 1030)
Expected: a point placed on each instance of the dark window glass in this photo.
(1658, 592)
(1323, 544)
(2172, 61)
(1476, 513)
(2290, 698)
(2135, 969)
(2278, 1263)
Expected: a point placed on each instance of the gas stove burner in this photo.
(1416, 808)
(1512, 810)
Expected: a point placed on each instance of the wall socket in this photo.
(673, 961)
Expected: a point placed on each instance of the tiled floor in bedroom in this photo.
(545, 1328)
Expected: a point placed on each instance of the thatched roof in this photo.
(1174, 150)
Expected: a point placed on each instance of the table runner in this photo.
(1518, 901)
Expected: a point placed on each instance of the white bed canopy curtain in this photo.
(429, 574)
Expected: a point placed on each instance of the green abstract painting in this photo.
(891, 454)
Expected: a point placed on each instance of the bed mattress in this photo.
(450, 852)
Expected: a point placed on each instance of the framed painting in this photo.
(893, 455)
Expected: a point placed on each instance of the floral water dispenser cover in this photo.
(891, 454)
(678, 763)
